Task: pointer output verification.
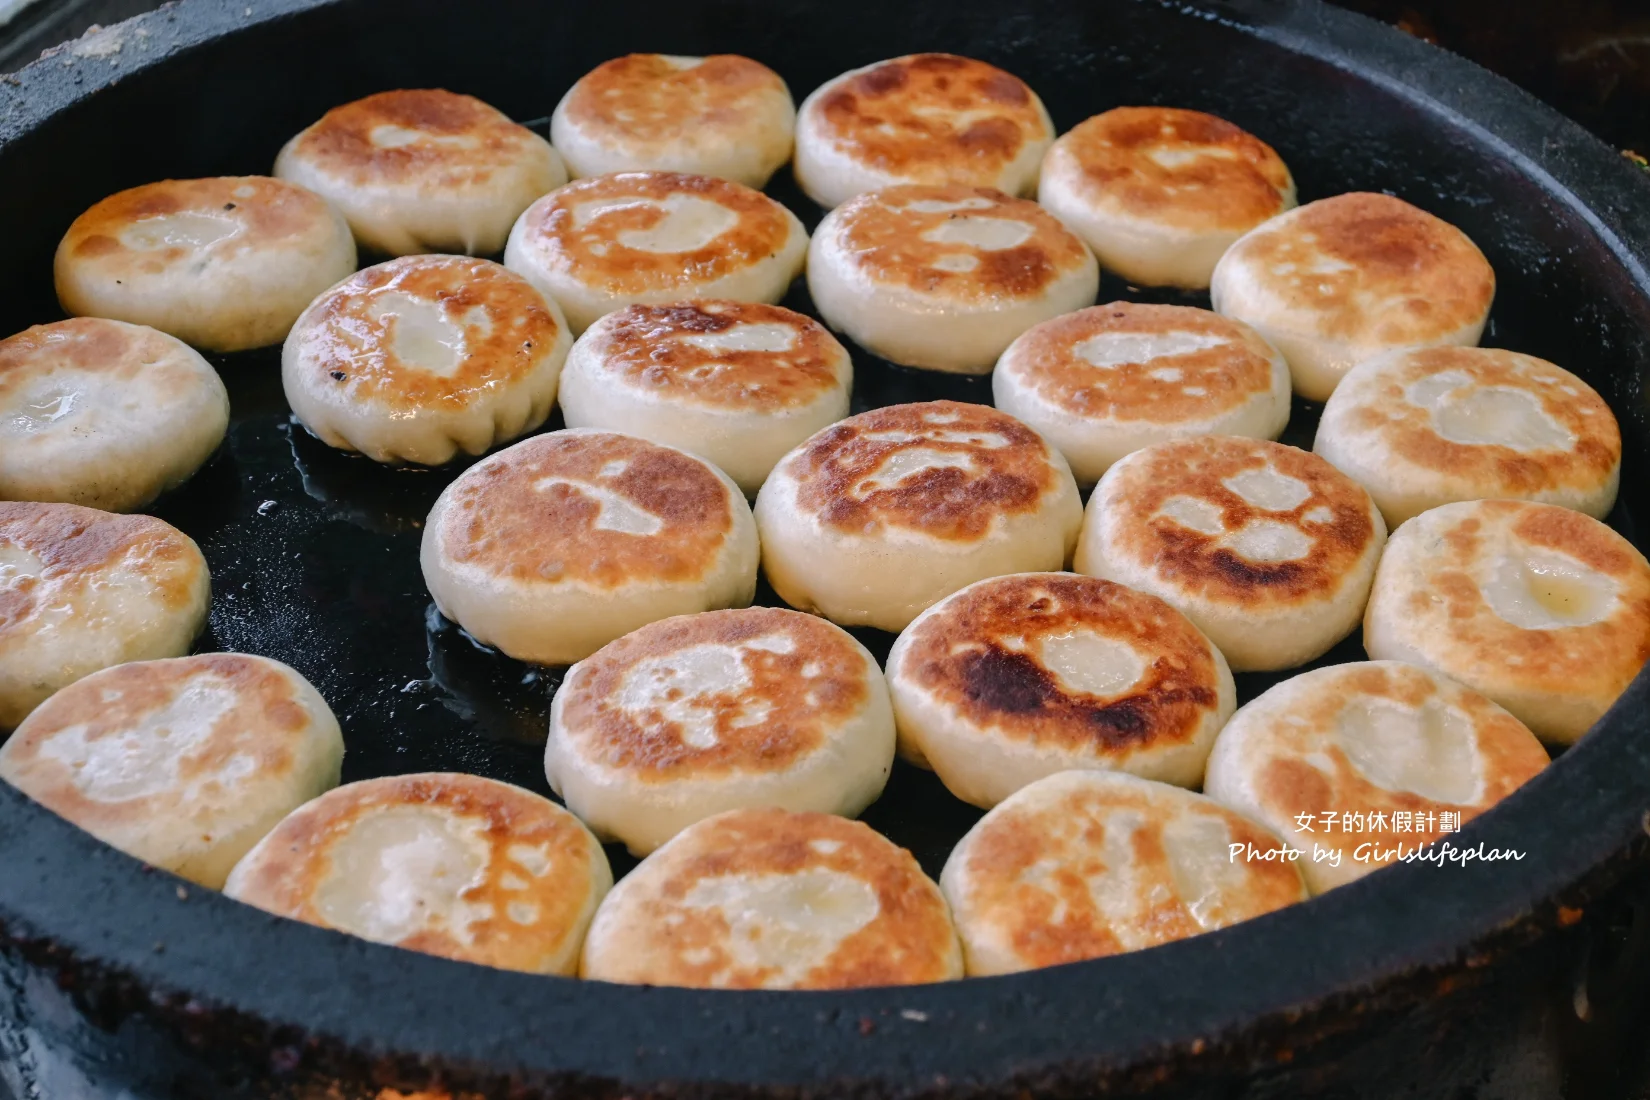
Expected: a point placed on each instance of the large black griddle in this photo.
(1508, 979)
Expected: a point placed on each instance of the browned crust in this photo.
(812, 690)
(1241, 185)
(909, 941)
(93, 345)
(496, 520)
(960, 659)
(1049, 915)
(647, 347)
(1196, 563)
(1406, 430)
(295, 860)
(1509, 756)
(271, 213)
(893, 117)
(883, 236)
(340, 144)
(643, 98)
(1427, 277)
(595, 254)
(942, 502)
(76, 544)
(1229, 374)
(508, 330)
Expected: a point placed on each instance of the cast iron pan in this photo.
(314, 561)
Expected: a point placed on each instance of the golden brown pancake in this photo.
(1541, 608)
(1108, 380)
(1340, 280)
(416, 359)
(697, 714)
(1268, 549)
(453, 865)
(82, 590)
(765, 899)
(1080, 865)
(1436, 425)
(1018, 677)
(423, 170)
(225, 263)
(184, 763)
(926, 118)
(1329, 759)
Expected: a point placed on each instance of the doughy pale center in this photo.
(1086, 662)
(683, 688)
(615, 512)
(405, 870)
(943, 206)
(1174, 157)
(909, 462)
(689, 222)
(1547, 591)
(1267, 540)
(1428, 750)
(768, 336)
(421, 335)
(1497, 415)
(17, 563)
(1194, 513)
(986, 234)
(1264, 487)
(1201, 866)
(391, 136)
(44, 408)
(1116, 349)
(790, 923)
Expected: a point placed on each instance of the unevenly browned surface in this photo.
(812, 687)
(642, 99)
(511, 516)
(1010, 471)
(94, 345)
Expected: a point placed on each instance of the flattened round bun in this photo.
(945, 277)
(876, 518)
(1111, 379)
(926, 118)
(1343, 279)
(652, 238)
(423, 170)
(82, 590)
(184, 763)
(224, 264)
(1542, 609)
(1015, 678)
(765, 899)
(1437, 425)
(422, 357)
(698, 714)
(104, 414)
(1160, 193)
(557, 545)
(739, 383)
(1270, 550)
(1373, 739)
(722, 115)
(447, 864)
(1084, 864)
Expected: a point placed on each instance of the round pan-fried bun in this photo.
(723, 115)
(694, 715)
(104, 414)
(1084, 864)
(945, 277)
(224, 264)
(927, 118)
(422, 357)
(1018, 677)
(765, 899)
(81, 590)
(1541, 608)
(453, 865)
(1329, 759)
(423, 170)
(739, 383)
(1111, 379)
(875, 519)
(1270, 550)
(651, 238)
(183, 763)
(557, 545)
(1438, 425)
(1340, 280)
(1160, 193)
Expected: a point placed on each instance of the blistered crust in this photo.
(1010, 471)
(648, 932)
(528, 513)
(1083, 865)
(897, 238)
